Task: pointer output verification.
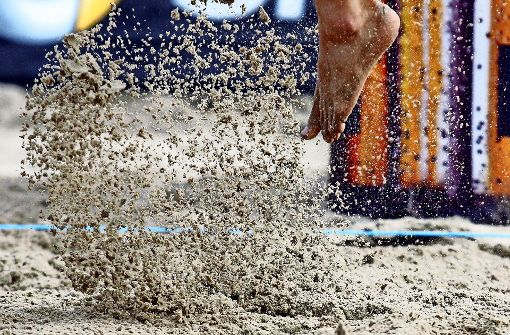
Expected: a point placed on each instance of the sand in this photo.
(105, 144)
(205, 144)
(443, 287)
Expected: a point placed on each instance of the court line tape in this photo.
(413, 233)
(327, 232)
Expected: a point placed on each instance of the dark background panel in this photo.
(20, 63)
(504, 91)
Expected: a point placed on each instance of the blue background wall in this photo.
(23, 43)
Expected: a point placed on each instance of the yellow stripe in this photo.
(92, 11)
(435, 84)
(411, 62)
(499, 159)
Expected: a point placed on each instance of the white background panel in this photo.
(481, 63)
(444, 103)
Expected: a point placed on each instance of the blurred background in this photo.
(29, 29)
(429, 136)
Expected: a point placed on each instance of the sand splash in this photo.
(202, 140)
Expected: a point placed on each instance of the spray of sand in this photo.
(202, 142)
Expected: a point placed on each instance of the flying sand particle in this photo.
(209, 146)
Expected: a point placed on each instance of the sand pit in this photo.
(206, 141)
(444, 287)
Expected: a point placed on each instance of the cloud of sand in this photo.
(203, 140)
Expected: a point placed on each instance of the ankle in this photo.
(342, 28)
(349, 25)
(342, 20)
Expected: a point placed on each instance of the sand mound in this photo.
(451, 287)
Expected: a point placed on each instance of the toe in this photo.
(327, 136)
(328, 117)
(325, 126)
(310, 133)
(342, 114)
(313, 127)
(340, 125)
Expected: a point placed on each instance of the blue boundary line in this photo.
(327, 232)
(416, 233)
(19, 226)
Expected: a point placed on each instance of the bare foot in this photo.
(353, 35)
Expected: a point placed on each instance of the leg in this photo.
(353, 35)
